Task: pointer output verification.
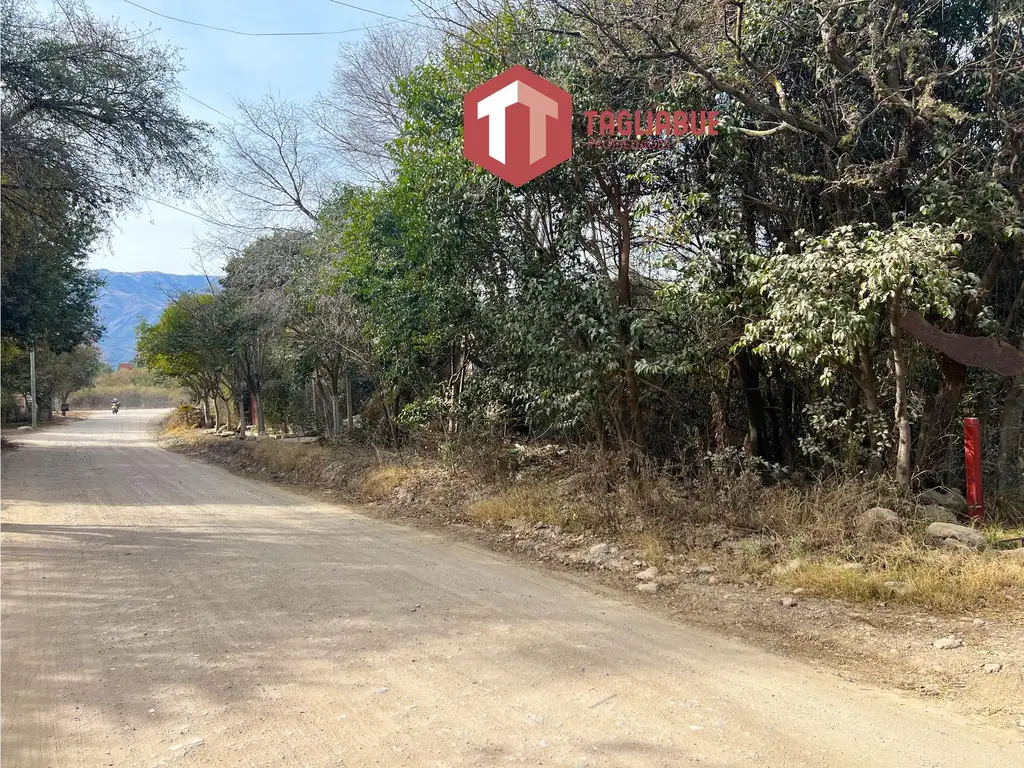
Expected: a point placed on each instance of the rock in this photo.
(954, 544)
(991, 669)
(187, 745)
(799, 591)
(978, 622)
(712, 580)
(599, 549)
(22, 429)
(557, 530)
(933, 513)
(648, 574)
(878, 523)
(1016, 554)
(706, 569)
(944, 497)
(648, 587)
(948, 643)
(539, 526)
(939, 533)
(788, 602)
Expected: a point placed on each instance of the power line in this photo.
(212, 109)
(404, 20)
(181, 210)
(246, 34)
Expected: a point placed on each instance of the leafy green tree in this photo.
(88, 124)
(190, 343)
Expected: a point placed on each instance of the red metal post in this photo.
(972, 464)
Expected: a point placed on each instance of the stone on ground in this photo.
(878, 523)
(939, 533)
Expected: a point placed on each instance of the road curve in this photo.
(161, 612)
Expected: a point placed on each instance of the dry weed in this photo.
(652, 547)
(532, 503)
(907, 574)
(382, 482)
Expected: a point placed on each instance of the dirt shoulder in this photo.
(709, 582)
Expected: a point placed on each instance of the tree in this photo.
(57, 374)
(89, 125)
(360, 113)
(829, 303)
(191, 344)
(89, 110)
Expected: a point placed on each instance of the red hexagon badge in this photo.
(517, 126)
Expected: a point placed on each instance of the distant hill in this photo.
(129, 296)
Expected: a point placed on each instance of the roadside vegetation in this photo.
(762, 341)
(89, 128)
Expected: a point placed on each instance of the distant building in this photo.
(125, 366)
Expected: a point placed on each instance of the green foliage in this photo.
(58, 374)
(730, 294)
(89, 124)
(829, 299)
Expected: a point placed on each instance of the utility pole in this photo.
(32, 377)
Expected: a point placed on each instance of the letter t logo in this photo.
(517, 144)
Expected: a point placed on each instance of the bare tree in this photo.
(360, 113)
(271, 176)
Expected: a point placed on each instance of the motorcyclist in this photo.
(114, 405)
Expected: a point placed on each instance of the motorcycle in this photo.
(113, 408)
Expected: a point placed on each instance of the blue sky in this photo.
(219, 67)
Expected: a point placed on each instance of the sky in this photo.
(218, 68)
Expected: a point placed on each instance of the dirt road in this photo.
(158, 611)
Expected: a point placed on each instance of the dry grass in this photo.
(938, 580)
(382, 482)
(652, 547)
(534, 502)
(287, 457)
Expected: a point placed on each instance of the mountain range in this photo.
(128, 297)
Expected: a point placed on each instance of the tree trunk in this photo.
(393, 419)
(747, 370)
(335, 406)
(900, 373)
(206, 411)
(261, 423)
(241, 416)
(336, 412)
(1008, 462)
(864, 375)
(348, 399)
(324, 399)
(216, 413)
(786, 418)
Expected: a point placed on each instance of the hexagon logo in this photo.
(517, 126)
